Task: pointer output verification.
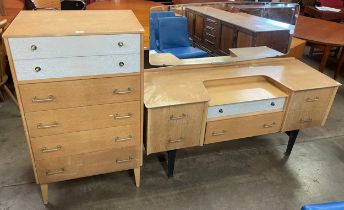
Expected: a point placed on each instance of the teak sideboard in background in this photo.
(201, 104)
(78, 76)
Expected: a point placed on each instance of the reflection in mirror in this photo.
(220, 32)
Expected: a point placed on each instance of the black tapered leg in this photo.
(171, 158)
(292, 138)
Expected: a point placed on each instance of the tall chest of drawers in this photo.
(78, 77)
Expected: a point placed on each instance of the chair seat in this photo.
(186, 52)
(325, 206)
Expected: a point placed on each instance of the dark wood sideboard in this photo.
(215, 31)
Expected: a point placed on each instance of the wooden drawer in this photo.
(44, 123)
(65, 94)
(298, 119)
(76, 67)
(241, 127)
(87, 164)
(246, 107)
(85, 141)
(174, 127)
(211, 22)
(311, 99)
(72, 46)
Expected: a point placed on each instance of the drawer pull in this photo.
(38, 69)
(121, 64)
(57, 148)
(116, 91)
(120, 44)
(119, 139)
(220, 133)
(125, 160)
(53, 172)
(176, 140)
(269, 125)
(212, 21)
(210, 28)
(208, 34)
(213, 43)
(39, 100)
(33, 47)
(306, 121)
(118, 117)
(178, 118)
(312, 99)
(53, 125)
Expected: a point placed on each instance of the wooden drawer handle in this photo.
(172, 117)
(119, 117)
(57, 148)
(53, 125)
(128, 90)
(42, 100)
(312, 99)
(53, 172)
(220, 133)
(269, 125)
(119, 139)
(125, 160)
(306, 121)
(176, 140)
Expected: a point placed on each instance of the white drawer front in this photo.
(246, 107)
(74, 67)
(70, 46)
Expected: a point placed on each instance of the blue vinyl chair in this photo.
(153, 27)
(174, 38)
(325, 206)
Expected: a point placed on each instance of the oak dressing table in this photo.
(201, 104)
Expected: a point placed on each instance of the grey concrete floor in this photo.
(252, 173)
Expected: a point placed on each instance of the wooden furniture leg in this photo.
(171, 158)
(44, 190)
(292, 138)
(324, 58)
(339, 64)
(137, 176)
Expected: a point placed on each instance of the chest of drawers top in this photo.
(73, 23)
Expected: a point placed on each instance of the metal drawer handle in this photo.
(120, 44)
(125, 160)
(116, 91)
(269, 125)
(306, 121)
(33, 47)
(40, 100)
(57, 148)
(53, 125)
(312, 99)
(210, 28)
(118, 117)
(172, 117)
(176, 140)
(121, 64)
(213, 43)
(212, 21)
(53, 172)
(208, 34)
(220, 133)
(119, 139)
(38, 69)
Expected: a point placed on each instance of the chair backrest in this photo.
(173, 32)
(47, 4)
(154, 25)
(331, 3)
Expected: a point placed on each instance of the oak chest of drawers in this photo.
(78, 78)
